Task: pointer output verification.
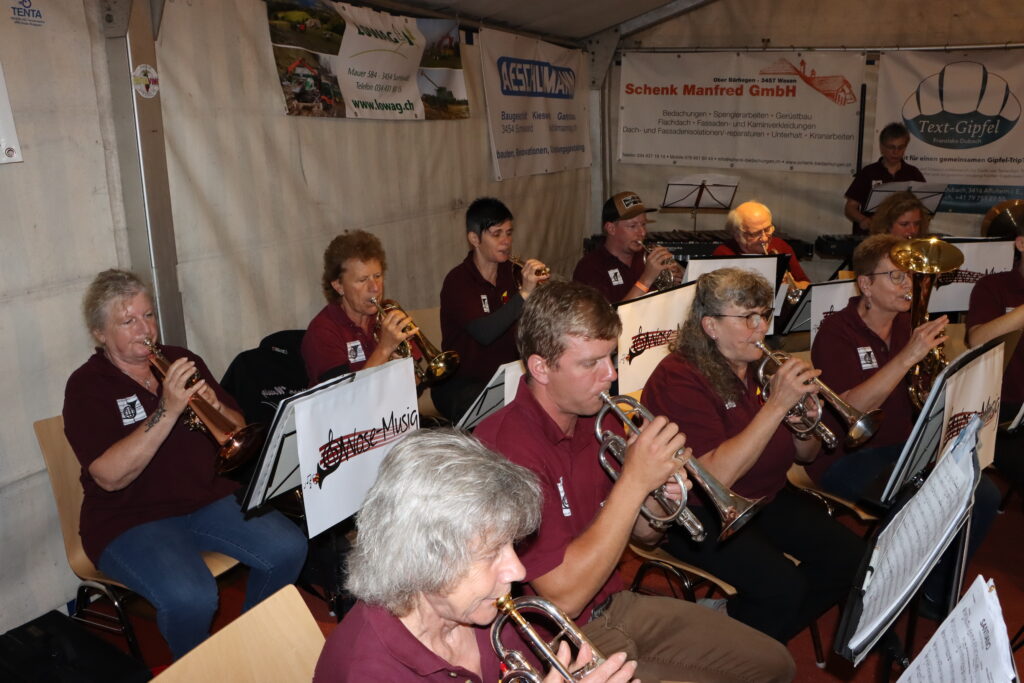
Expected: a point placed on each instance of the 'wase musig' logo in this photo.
(963, 106)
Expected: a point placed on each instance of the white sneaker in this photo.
(716, 604)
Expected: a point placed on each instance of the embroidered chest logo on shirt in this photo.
(615, 276)
(485, 303)
(355, 352)
(566, 510)
(729, 405)
(867, 358)
(131, 410)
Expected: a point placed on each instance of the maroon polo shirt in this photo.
(371, 644)
(102, 405)
(776, 245)
(571, 478)
(465, 296)
(848, 353)
(876, 174)
(995, 295)
(332, 339)
(680, 392)
(603, 271)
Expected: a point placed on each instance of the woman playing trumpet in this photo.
(152, 500)
(433, 553)
(345, 336)
(708, 386)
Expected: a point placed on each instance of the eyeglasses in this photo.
(760, 234)
(753, 319)
(898, 277)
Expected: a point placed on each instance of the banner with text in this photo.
(962, 111)
(774, 111)
(340, 61)
(536, 95)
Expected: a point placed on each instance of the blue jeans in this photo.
(161, 561)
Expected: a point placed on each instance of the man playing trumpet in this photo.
(566, 338)
(345, 336)
(619, 268)
(753, 232)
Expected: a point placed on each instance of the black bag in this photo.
(260, 378)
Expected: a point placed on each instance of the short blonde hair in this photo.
(109, 286)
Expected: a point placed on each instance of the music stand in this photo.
(929, 194)
(493, 398)
(712, 193)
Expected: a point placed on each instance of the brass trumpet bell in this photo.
(433, 365)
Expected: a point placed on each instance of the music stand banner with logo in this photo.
(963, 112)
(952, 290)
(536, 95)
(649, 325)
(764, 111)
(830, 298)
(343, 434)
(975, 389)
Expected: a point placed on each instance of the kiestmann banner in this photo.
(536, 96)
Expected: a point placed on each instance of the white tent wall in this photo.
(807, 204)
(257, 195)
(59, 228)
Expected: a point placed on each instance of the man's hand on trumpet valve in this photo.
(615, 669)
(923, 339)
(659, 259)
(534, 273)
(651, 456)
(395, 328)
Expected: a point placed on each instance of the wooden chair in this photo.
(65, 470)
(277, 641)
(799, 478)
(690, 577)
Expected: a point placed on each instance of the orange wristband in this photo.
(642, 287)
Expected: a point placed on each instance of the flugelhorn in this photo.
(433, 365)
(237, 444)
(539, 272)
(518, 668)
(665, 278)
(733, 509)
(860, 426)
(924, 259)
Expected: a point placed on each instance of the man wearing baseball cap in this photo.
(618, 268)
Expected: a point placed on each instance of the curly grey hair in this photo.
(441, 500)
(109, 286)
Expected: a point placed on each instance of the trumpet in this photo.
(860, 426)
(237, 444)
(733, 509)
(793, 292)
(519, 669)
(925, 259)
(433, 365)
(539, 272)
(665, 278)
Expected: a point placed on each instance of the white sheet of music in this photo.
(914, 539)
(970, 645)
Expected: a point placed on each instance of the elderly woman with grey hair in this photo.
(153, 502)
(708, 386)
(432, 554)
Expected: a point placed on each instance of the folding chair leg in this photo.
(819, 655)
(104, 621)
(669, 572)
(1018, 640)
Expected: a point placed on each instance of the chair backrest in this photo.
(65, 479)
(277, 640)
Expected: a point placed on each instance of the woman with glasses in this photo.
(708, 386)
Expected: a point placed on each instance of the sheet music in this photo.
(970, 645)
(911, 543)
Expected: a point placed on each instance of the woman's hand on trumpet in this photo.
(615, 669)
(923, 339)
(176, 390)
(790, 384)
(534, 273)
(395, 328)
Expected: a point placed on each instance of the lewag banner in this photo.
(962, 111)
(344, 432)
(340, 61)
(536, 96)
(773, 111)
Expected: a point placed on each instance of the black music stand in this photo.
(929, 194)
(700, 194)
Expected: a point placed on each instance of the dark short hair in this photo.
(357, 244)
(869, 252)
(559, 310)
(894, 131)
(484, 213)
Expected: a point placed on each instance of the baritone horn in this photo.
(433, 365)
(860, 426)
(518, 668)
(733, 509)
(925, 259)
(237, 444)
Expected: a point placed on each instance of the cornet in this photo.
(519, 668)
(793, 293)
(733, 509)
(540, 272)
(665, 278)
(237, 444)
(433, 365)
(860, 426)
